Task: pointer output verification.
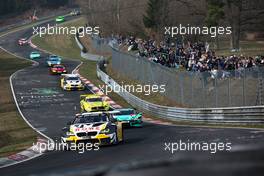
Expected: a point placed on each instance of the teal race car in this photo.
(34, 55)
(60, 19)
(128, 116)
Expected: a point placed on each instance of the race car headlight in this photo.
(105, 131)
(69, 133)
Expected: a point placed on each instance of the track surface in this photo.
(48, 108)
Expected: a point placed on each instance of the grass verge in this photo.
(15, 134)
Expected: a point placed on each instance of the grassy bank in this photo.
(15, 134)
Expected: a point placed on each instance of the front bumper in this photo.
(69, 88)
(34, 57)
(58, 72)
(101, 139)
(132, 123)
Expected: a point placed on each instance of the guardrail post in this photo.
(229, 92)
(243, 87)
(216, 96)
(192, 77)
(181, 84)
(203, 91)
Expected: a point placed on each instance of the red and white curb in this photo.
(32, 152)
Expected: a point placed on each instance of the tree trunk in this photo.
(234, 15)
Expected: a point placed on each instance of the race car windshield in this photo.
(61, 67)
(127, 112)
(91, 119)
(94, 99)
(54, 59)
(73, 79)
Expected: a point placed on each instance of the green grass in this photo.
(15, 134)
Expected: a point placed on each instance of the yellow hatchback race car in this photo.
(71, 82)
(95, 127)
(92, 102)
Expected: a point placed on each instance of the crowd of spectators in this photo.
(191, 56)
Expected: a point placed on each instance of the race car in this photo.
(53, 60)
(71, 82)
(60, 19)
(34, 55)
(95, 127)
(58, 69)
(129, 117)
(75, 12)
(92, 102)
(22, 41)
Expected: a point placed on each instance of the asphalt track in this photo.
(48, 109)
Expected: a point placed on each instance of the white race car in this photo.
(71, 82)
(95, 127)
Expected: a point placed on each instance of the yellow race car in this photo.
(92, 102)
(71, 82)
(95, 127)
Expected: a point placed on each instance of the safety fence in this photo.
(236, 115)
(235, 88)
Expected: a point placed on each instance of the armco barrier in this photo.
(86, 55)
(235, 115)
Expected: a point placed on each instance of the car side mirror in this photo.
(65, 129)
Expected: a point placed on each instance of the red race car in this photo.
(58, 69)
(22, 41)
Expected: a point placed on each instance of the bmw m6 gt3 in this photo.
(95, 127)
(71, 82)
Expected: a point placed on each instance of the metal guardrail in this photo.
(27, 21)
(235, 115)
(86, 55)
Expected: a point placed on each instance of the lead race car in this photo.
(95, 127)
(71, 82)
(60, 19)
